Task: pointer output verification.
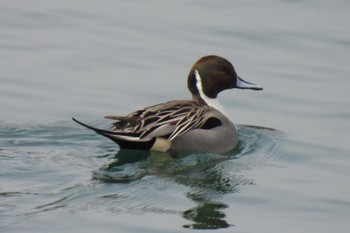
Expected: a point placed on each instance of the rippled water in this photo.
(62, 169)
(90, 59)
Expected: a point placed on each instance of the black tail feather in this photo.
(122, 142)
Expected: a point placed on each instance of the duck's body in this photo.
(197, 125)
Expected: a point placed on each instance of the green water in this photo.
(63, 169)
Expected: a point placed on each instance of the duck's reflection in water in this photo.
(209, 177)
(206, 215)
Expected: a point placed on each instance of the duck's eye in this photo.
(224, 70)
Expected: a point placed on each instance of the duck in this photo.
(197, 125)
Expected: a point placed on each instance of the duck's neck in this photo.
(214, 103)
(202, 97)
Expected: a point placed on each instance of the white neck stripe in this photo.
(212, 102)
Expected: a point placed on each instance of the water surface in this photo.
(90, 59)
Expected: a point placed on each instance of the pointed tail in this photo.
(125, 141)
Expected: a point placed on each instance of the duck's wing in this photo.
(167, 120)
(140, 129)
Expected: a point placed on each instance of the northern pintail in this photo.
(197, 125)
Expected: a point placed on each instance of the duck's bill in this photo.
(241, 84)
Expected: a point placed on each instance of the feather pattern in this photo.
(179, 116)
